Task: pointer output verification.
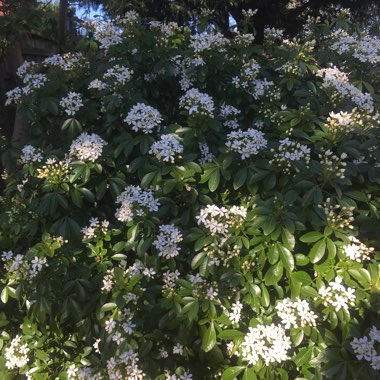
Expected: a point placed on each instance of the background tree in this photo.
(289, 15)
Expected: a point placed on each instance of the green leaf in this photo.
(317, 251)
(302, 277)
(303, 357)
(209, 338)
(108, 306)
(311, 237)
(249, 374)
(240, 178)
(286, 258)
(214, 180)
(274, 274)
(361, 275)
(197, 260)
(232, 372)
(230, 334)
(4, 295)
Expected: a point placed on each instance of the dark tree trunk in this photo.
(62, 23)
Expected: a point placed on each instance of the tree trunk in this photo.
(62, 23)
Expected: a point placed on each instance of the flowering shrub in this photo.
(195, 207)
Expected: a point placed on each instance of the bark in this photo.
(62, 23)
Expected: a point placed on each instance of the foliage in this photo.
(191, 206)
(290, 15)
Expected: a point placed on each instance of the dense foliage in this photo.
(195, 207)
(288, 14)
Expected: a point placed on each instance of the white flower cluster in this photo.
(203, 289)
(27, 67)
(167, 149)
(248, 74)
(266, 342)
(16, 354)
(185, 376)
(295, 313)
(143, 118)
(230, 113)
(12, 263)
(196, 102)
(87, 147)
(357, 251)
(13, 96)
(208, 41)
(367, 349)
(53, 172)
(108, 281)
(106, 33)
(244, 40)
(167, 241)
(97, 84)
(120, 74)
(260, 86)
(333, 165)
(289, 152)
(340, 123)
(37, 265)
(206, 155)
(221, 254)
(169, 285)
(246, 143)
(272, 34)
(33, 82)
(124, 367)
(337, 215)
(95, 227)
(66, 62)
(218, 220)
(139, 268)
(365, 48)
(135, 202)
(335, 295)
(234, 314)
(71, 103)
(30, 154)
(338, 80)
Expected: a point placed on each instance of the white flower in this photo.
(167, 148)
(72, 103)
(167, 240)
(206, 155)
(143, 118)
(198, 103)
(178, 349)
(235, 313)
(133, 202)
(30, 154)
(13, 96)
(268, 343)
(338, 80)
(367, 348)
(357, 250)
(37, 266)
(208, 41)
(295, 313)
(289, 152)
(335, 295)
(16, 354)
(218, 220)
(97, 84)
(106, 33)
(87, 147)
(71, 372)
(246, 143)
(120, 74)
